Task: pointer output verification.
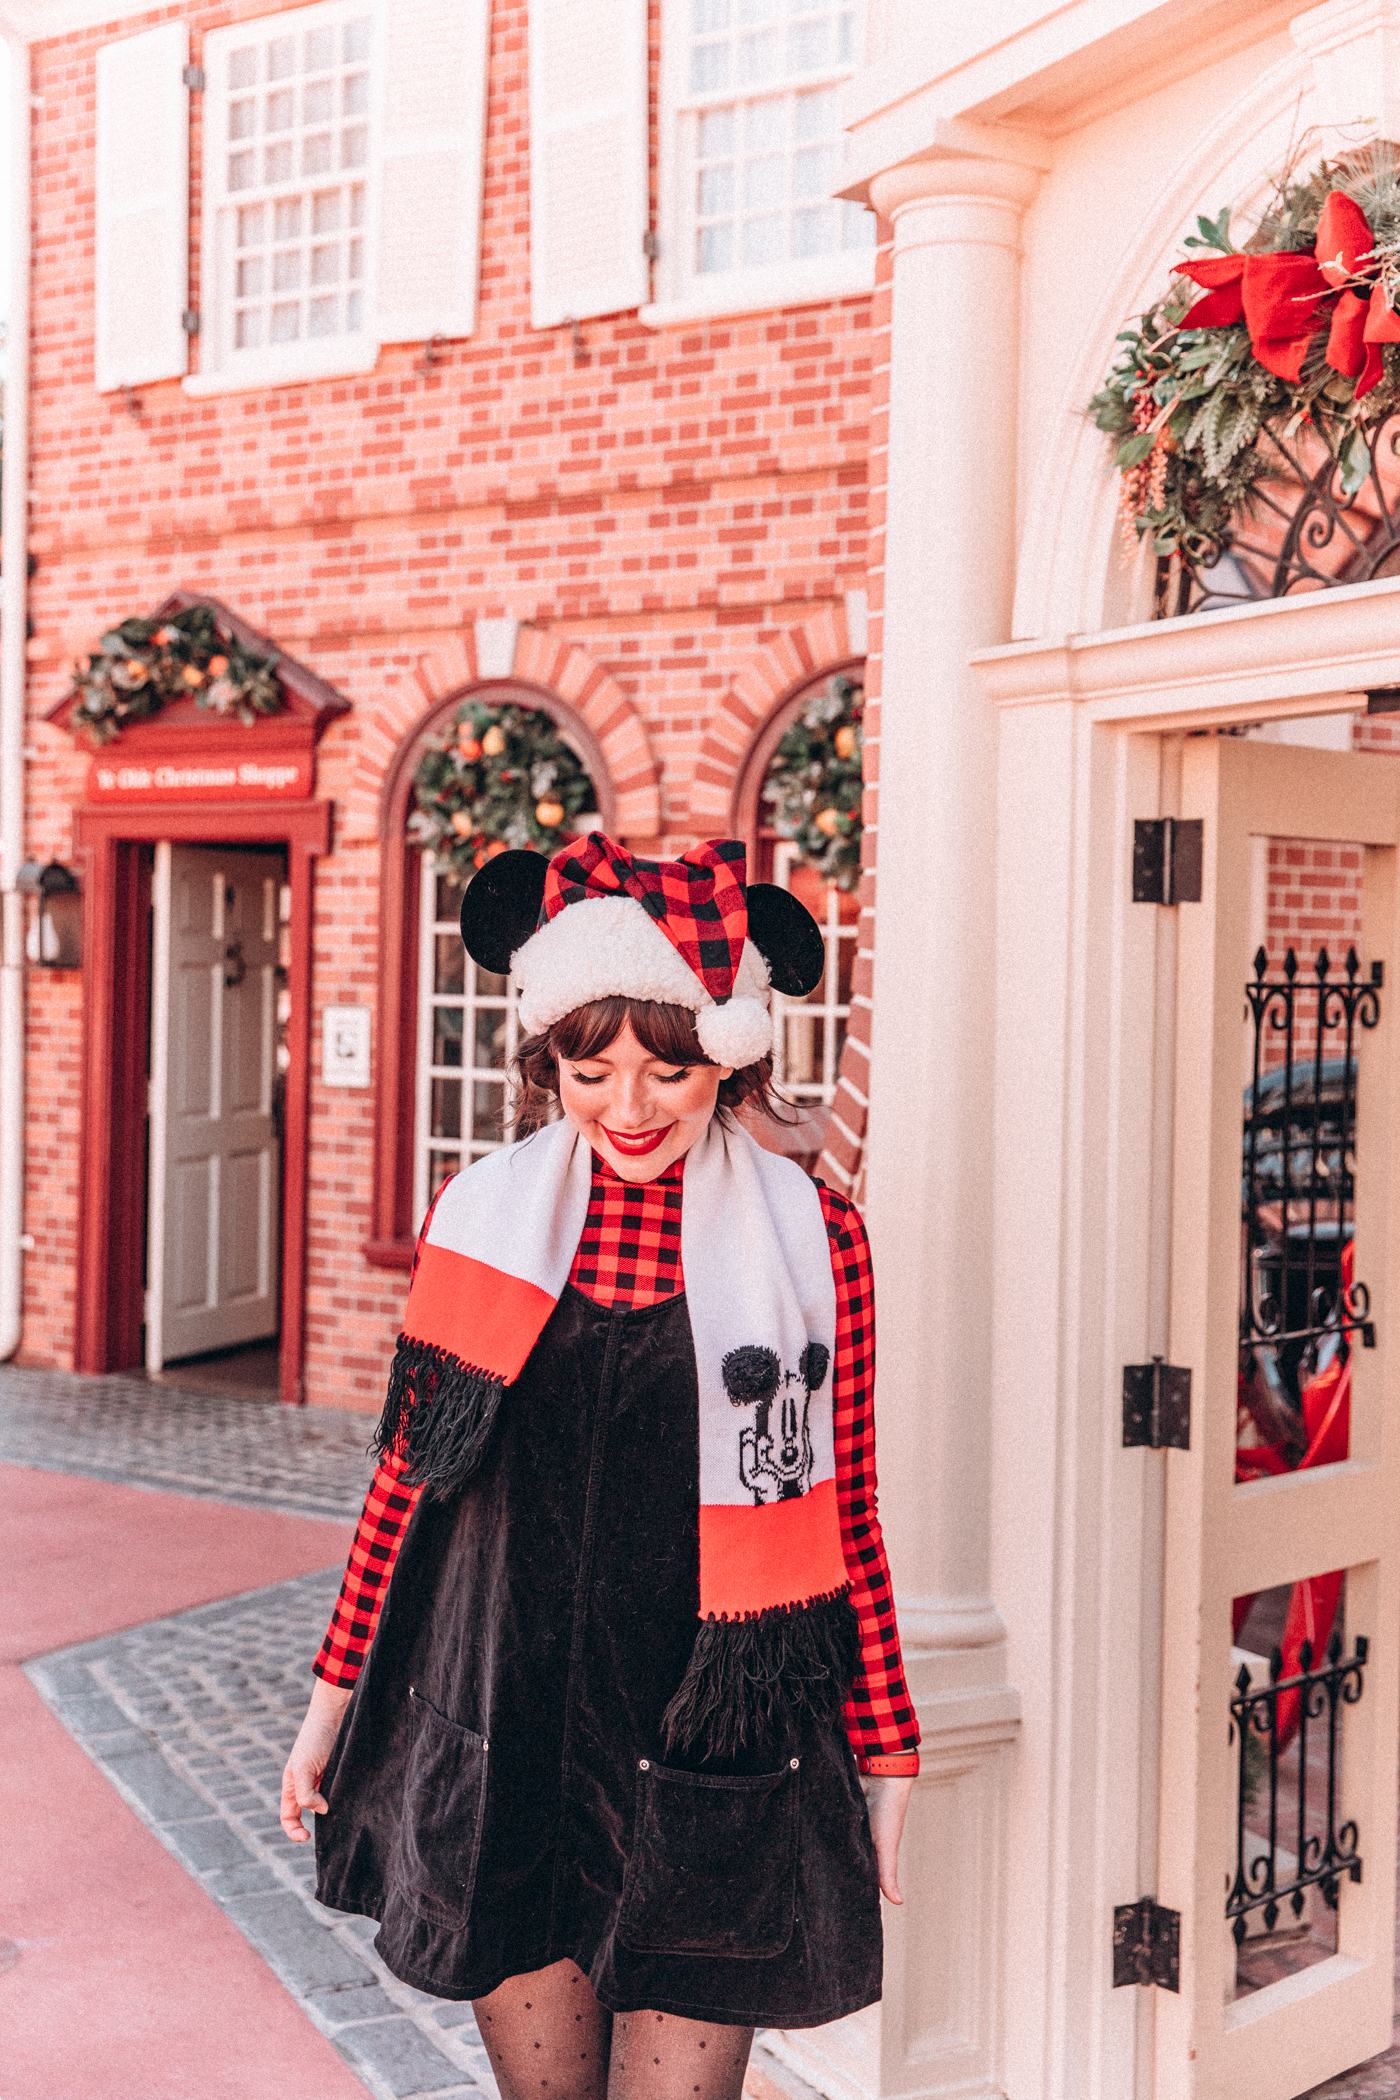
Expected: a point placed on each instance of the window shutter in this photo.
(432, 115)
(588, 158)
(143, 205)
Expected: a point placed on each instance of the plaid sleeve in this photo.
(880, 1718)
(378, 1536)
(383, 1522)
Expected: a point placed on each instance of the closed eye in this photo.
(674, 1078)
(588, 1078)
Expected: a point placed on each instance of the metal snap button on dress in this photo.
(644, 1764)
(792, 1761)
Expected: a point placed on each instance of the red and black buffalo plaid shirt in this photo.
(630, 1255)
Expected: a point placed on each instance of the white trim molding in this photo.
(1246, 663)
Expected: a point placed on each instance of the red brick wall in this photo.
(688, 507)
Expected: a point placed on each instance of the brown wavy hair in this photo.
(666, 1032)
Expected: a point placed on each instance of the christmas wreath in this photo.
(501, 776)
(140, 664)
(814, 783)
(1265, 361)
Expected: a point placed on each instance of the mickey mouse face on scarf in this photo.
(753, 1373)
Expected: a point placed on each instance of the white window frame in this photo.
(224, 369)
(682, 292)
(470, 1002)
(827, 1008)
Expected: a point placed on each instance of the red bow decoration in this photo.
(1278, 298)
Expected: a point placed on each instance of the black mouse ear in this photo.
(787, 937)
(502, 908)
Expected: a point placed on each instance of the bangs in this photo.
(664, 1032)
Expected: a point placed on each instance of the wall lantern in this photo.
(55, 939)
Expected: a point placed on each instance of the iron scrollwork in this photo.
(1311, 525)
(1326, 1853)
(1300, 1171)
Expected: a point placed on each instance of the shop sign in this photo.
(200, 777)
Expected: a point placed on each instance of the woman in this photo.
(588, 1767)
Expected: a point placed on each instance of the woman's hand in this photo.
(301, 1781)
(888, 1803)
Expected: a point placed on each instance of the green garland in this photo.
(501, 776)
(814, 783)
(1200, 423)
(141, 664)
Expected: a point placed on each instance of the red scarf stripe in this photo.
(486, 1318)
(784, 1553)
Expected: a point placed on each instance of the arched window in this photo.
(447, 1030)
(809, 1032)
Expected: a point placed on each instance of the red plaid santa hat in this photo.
(685, 933)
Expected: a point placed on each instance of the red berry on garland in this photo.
(468, 746)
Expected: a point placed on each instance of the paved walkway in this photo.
(160, 1940)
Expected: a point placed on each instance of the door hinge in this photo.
(651, 244)
(190, 320)
(1167, 860)
(193, 77)
(1147, 1945)
(1156, 1406)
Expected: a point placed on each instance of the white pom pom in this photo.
(738, 1033)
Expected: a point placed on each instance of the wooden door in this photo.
(1237, 1531)
(214, 1202)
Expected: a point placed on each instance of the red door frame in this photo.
(113, 1011)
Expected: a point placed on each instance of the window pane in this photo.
(316, 154)
(814, 171)
(287, 220)
(765, 182)
(717, 134)
(759, 10)
(816, 115)
(763, 241)
(279, 110)
(325, 265)
(240, 171)
(814, 230)
(354, 95)
(709, 15)
(448, 976)
(281, 58)
(447, 1035)
(247, 330)
(490, 1047)
(354, 44)
(242, 119)
(316, 102)
(488, 1108)
(446, 1110)
(709, 68)
(717, 190)
(715, 248)
(320, 49)
(354, 146)
(765, 126)
(250, 226)
(323, 317)
(242, 68)
(808, 46)
(286, 324)
(857, 225)
(250, 277)
(286, 271)
(759, 57)
(489, 985)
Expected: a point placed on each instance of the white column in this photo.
(949, 580)
(949, 574)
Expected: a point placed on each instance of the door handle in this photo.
(235, 969)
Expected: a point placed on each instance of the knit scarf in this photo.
(777, 1633)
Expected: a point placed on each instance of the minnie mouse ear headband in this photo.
(681, 932)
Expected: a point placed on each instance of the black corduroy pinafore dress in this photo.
(499, 1797)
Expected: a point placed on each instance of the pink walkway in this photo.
(129, 1980)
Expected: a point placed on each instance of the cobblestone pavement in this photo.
(190, 1718)
(303, 1461)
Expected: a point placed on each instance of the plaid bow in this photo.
(698, 901)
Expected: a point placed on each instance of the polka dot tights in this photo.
(548, 2038)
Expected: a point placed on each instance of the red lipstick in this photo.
(633, 1144)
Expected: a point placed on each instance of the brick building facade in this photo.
(657, 530)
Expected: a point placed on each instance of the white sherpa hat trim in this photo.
(604, 947)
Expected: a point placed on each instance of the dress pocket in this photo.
(713, 1867)
(444, 1802)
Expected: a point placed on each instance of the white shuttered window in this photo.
(342, 185)
(751, 147)
(589, 206)
(142, 216)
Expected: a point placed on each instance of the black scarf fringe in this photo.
(747, 1677)
(439, 1414)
